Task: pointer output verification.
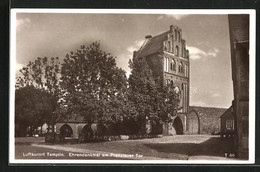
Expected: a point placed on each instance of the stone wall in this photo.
(209, 118)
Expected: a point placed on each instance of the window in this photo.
(178, 91)
(186, 70)
(179, 36)
(166, 63)
(166, 47)
(180, 67)
(229, 124)
(177, 51)
(183, 49)
(173, 65)
(169, 46)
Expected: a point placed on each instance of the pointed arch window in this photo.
(166, 63)
(179, 36)
(181, 67)
(175, 34)
(186, 70)
(169, 45)
(173, 65)
(177, 51)
(165, 44)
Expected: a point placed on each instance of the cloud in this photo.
(213, 52)
(22, 23)
(199, 103)
(18, 66)
(196, 53)
(215, 95)
(175, 16)
(160, 17)
(135, 46)
(127, 54)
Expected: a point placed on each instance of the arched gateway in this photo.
(177, 125)
(174, 127)
(66, 130)
(193, 122)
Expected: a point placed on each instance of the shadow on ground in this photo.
(23, 143)
(212, 147)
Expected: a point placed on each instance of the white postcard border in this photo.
(252, 64)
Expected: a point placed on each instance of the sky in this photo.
(207, 39)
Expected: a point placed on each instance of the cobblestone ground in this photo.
(178, 147)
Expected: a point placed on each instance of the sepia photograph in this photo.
(132, 86)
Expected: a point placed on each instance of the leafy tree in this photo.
(33, 108)
(169, 100)
(93, 86)
(42, 74)
(142, 93)
(151, 101)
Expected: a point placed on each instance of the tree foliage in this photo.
(43, 73)
(152, 101)
(142, 92)
(40, 77)
(93, 86)
(33, 108)
(90, 85)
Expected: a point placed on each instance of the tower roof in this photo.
(152, 45)
(227, 112)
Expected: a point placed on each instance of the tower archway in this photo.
(177, 125)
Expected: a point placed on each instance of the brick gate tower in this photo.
(168, 58)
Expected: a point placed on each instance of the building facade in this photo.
(239, 44)
(227, 123)
(168, 58)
